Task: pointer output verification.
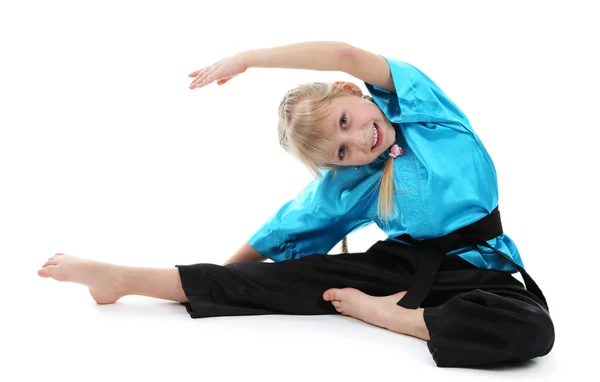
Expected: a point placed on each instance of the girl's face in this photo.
(359, 130)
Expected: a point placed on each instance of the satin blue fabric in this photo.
(445, 180)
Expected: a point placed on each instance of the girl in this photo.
(405, 158)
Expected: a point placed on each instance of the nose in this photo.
(362, 139)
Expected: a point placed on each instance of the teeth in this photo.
(375, 136)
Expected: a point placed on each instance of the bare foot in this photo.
(379, 311)
(102, 279)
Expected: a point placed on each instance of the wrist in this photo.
(255, 58)
(245, 59)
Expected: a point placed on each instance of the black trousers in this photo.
(474, 316)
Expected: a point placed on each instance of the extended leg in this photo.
(108, 282)
(288, 287)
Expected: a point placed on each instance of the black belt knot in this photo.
(435, 249)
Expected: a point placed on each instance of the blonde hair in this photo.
(304, 108)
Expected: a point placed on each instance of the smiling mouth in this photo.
(377, 136)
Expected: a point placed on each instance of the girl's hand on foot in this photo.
(221, 71)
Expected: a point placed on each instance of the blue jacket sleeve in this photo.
(319, 217)
(418, 99)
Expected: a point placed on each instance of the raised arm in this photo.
(316, 55)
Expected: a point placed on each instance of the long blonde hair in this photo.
(300, 111)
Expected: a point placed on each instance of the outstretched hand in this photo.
(221, 71)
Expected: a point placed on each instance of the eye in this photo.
(342, 152)
(343, 121)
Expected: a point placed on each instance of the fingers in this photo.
(209, 75)
(201, 77)
(205, 78)
(220, 72)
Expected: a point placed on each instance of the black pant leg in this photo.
(474, 316)
(293, 286)
(482, 327)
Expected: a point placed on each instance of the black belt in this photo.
(435, 249)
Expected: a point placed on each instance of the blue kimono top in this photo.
(444, 180)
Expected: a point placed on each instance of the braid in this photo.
(345, 244)
(306, 106)
(386, 200)
(386, 193)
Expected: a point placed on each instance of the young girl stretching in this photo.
(405, 158)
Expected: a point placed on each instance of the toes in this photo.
(50, 261)
(337, 305)
(57, 256)
(46, 271)
(332, 294)
(339, 294)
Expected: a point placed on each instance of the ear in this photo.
(348, 87)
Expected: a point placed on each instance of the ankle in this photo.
(416, 324)
(409, 322)
(121, 282)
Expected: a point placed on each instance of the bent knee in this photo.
(536, 336)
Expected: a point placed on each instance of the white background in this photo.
(106, 154)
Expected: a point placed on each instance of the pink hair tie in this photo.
(396, 151)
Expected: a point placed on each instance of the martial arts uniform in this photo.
(445, 242)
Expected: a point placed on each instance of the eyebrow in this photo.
(336, 124)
